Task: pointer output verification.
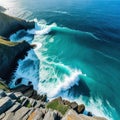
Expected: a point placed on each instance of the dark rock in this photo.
(18, 81)
(14, 108)
(44, 98)
(66, 102)
(10, 53)
(11, 95)
(2, 94)
(81, 108)
(25, 102)
(10, 25)
(89, 114)
(5, 103)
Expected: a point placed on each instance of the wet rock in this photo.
(18, 81)
(89, 114)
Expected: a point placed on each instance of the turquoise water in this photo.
(77, 56)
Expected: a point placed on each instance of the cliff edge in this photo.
(10, 24)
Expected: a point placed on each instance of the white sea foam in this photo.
(41, 28)
(27, 70)
(61, 12)
(60, 86)
(44, 77)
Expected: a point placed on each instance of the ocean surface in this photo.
(77, 54)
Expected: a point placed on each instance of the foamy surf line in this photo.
(41, 28)
(30, 74)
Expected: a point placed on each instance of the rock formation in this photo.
(16, 106)
(10, 53)
(9, 25)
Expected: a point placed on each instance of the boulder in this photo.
(81, 108)
(74, 105)
(72, 115)
(9, 25)
(10, 53)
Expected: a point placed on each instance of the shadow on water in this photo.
(80, 89)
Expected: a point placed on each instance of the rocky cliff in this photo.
(16, 106)
(9, 25)
(10, 53)
(23, 103)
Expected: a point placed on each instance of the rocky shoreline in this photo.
(16, 106)
(23, 103)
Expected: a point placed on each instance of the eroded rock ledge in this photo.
(16, 106)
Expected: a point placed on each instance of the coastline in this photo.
(5, 32)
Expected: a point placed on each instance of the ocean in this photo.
(77, 54)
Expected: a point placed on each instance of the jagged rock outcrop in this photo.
(72, 115)
(16, 106)
(30, 92)
(9, 25)
(10, 53)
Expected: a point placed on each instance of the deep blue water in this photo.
(83, 48)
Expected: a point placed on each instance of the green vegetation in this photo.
(3, 86)
(56, 105)
(29, 105)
